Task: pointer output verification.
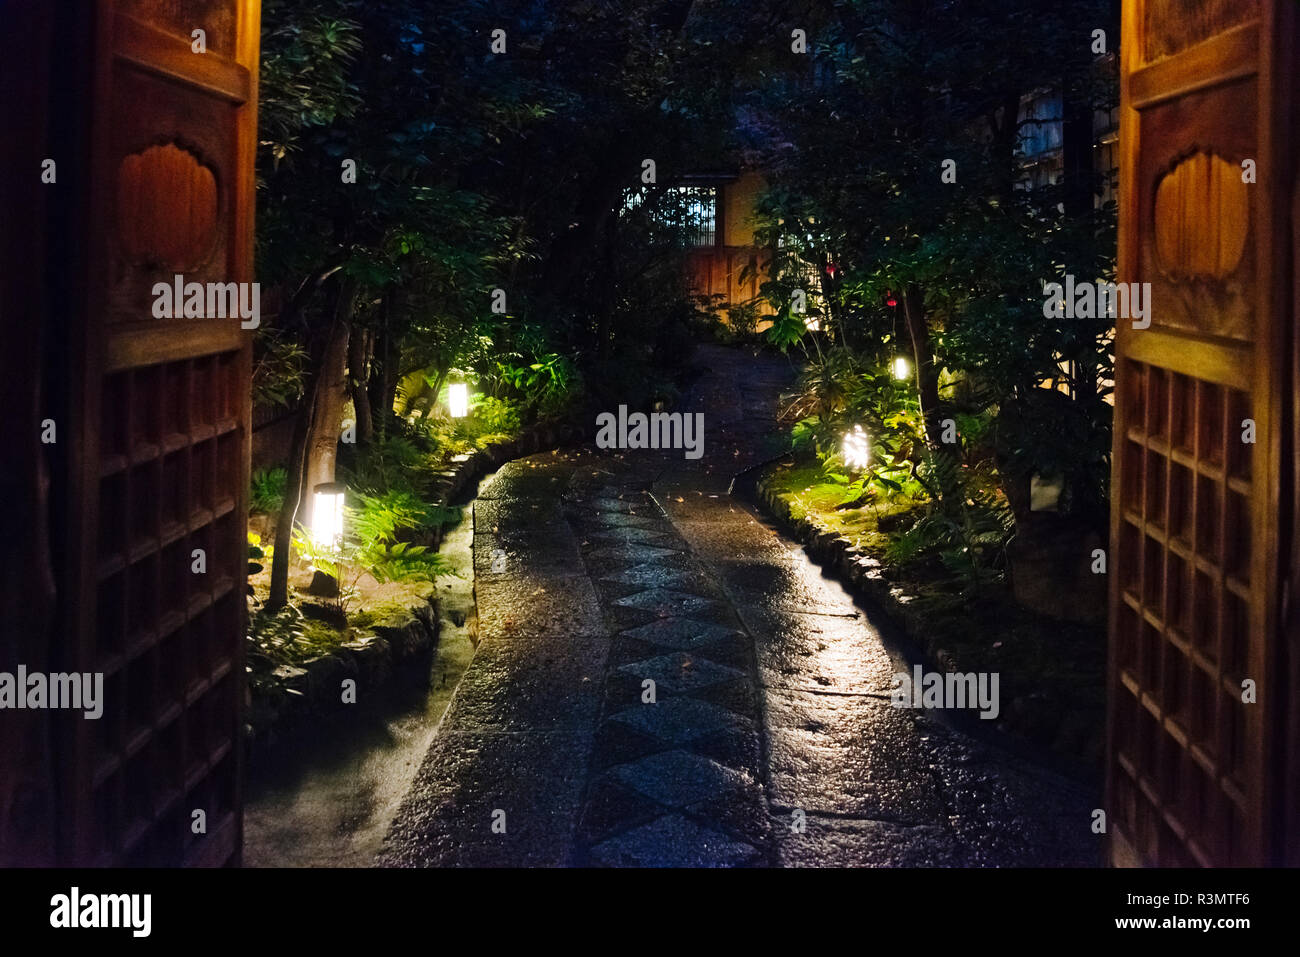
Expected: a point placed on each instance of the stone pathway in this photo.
(663, 680)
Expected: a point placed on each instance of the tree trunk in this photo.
(432, 393)
(1006, 136)
(608, 292)
(383, 371)
(332, 394)
(284, 522)
(358, 382)
(832, 324)
(927, 379)
(1076, 152)
(323, 342)
(1080, 180)
(927, 373)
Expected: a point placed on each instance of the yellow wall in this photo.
(717, 269)
(738, 209)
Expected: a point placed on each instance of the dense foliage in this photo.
(453, 192)
(898, 260)
(443, 197)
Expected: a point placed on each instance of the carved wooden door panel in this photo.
(1202, 403)
(154, 548)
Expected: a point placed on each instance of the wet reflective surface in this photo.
(325, 796)
(665, 680)
(661, 679)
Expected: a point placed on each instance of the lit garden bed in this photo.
(1052, 672)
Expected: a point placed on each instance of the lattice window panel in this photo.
(166, 638)
(1184, 641)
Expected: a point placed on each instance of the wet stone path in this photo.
(661, 679)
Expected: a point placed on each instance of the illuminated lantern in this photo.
(458, 400)
(855, 448)
(327, 516)
(890, 299)
(901, 368)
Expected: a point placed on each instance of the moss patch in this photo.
(811, 495)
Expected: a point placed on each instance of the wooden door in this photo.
(1198, 519)
(158, 426)
(1290, 772)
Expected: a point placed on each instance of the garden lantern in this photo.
(901, 368)
(855, 448)
(327, 516)
(458, 400)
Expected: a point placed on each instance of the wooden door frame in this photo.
(1286, 50)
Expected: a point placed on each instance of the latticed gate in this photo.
(154, 545)
(1203, 435)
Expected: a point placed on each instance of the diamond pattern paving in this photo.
(664, 603)
(680, 672)
(632, 553)
(628, 534)
(674, 841)
(679, 778)
(649, 575)
(669, 579)
(622, 520)
(676, 720)
(680, 633)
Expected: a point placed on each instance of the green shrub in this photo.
(274, 639)
(266, 490)
(966, 531)
(495, 416)
(743, 318)
(390, 461)
(374, 529)
(548, 385)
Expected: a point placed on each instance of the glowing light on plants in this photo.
(855, 448)
(458, 400)
(327, 515)
(902, 368)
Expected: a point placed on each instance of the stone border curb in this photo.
(869, 579)
(401, 646)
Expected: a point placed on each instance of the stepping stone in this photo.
(627, 535)
(680, 633)
(651, 576)
(666, 603)
(621, 519)
(676, 720)
(679, 672)
(632, 552)
(679, 778)
(673, 841)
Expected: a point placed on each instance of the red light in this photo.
(891, 302)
